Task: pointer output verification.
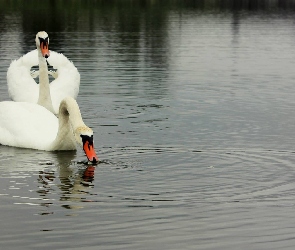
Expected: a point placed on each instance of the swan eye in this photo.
(86, 138)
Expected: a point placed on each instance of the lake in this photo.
(192, 108)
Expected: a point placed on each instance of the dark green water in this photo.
(192, 106)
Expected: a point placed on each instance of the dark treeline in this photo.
(146, 18)
(53, 13)
(49, 5)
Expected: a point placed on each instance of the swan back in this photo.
(27, 125)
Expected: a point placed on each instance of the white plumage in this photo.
(22, 87)
(29, 125)
(30, 121)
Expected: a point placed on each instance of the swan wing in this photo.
(21, 85)
(27, 125)
(67, 81)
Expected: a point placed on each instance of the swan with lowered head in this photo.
(22, 86)
(29, 125)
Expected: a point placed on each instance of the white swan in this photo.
(23, 88)
(29, 125)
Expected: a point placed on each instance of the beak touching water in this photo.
(89, 150)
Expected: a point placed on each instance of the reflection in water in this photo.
(146, 20)
(75, 186)
(72, 185)
(54, 174)
(88, 175)
(235, 27)
(136, 32)
(21, 159)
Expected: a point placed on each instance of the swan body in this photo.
(29, 125)
(22, 86)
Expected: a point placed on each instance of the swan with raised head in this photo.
(22, 86)
(29, 125)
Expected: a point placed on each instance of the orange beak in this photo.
(90, 152)
(44, 49)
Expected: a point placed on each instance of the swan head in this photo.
(84, 137)
(42, 42)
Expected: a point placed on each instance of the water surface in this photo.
(192, 106)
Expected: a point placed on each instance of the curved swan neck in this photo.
(44, 88)
(69, 118)
(69, 109)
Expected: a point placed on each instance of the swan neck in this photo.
(44, 87)
(70, 118)
(70, 109)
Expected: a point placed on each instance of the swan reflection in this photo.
(45, 179)
(74, 181)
